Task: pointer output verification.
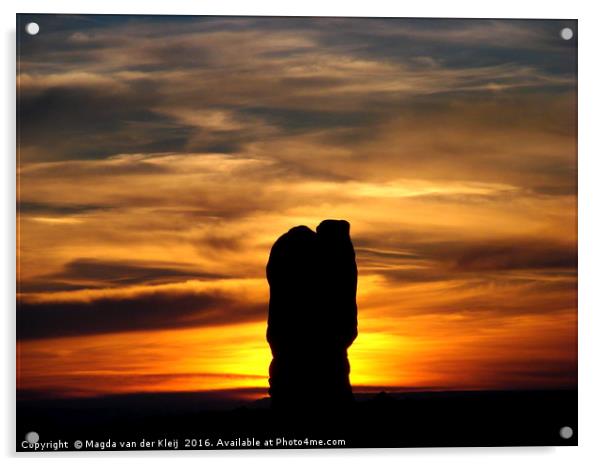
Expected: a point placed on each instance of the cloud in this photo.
(451, 259)
(95, 122)
(129, 273)
(44, 208)
(481, 279)
(85, 273)
(233, 85)
(513, 256)
(144, 311)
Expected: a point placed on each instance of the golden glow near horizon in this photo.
(163, 167)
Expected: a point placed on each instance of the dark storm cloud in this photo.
(86, 273)
(123, 273)
(290, 74)
(458, 43)
(293, 120)
(81, 169)
(147, 311)
(43, 208)
(94, 122)
(222, 242)
(512, 256)
(49, 285)
(414, 261)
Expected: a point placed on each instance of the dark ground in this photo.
(426, 419)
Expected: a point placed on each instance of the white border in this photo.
(590, 226)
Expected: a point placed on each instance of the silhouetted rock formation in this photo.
(312, 317)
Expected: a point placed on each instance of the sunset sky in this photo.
(159, 159)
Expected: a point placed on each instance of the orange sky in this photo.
(160, 159)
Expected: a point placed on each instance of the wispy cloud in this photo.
(160, 158)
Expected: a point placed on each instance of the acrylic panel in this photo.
(295, 232)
